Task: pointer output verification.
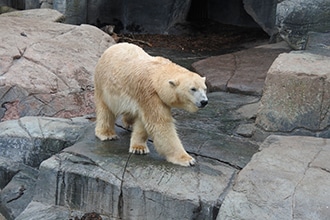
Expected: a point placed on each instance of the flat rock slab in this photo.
(46, 68)
(101, 176)
(90, 175)
(289, 179)
(243, 72)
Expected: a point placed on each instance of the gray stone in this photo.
(296, 94)
(264, 13)
(30, 141)
(55, 63)
(146, 17)
(6, 9)
(318, 43)
(100, 176)
(243, 72)
(246, 130)
(39, 14)
(249, 111)
(46, 5)
(288, 179)
(31, 4)
(294, 22)
(37, 210)
(231, 12)
(103, 177)
(18, 193)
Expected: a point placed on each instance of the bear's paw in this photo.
(139, 149)
(183, 160)
(103, 136)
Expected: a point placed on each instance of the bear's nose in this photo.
(204, 103)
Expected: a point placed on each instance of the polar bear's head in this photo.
(189, 92)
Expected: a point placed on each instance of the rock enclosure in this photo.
(290, 20)
(52, 168)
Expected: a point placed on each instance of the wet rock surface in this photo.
(91, 175)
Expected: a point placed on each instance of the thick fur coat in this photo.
(143, 89)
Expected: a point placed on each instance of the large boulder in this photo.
(290, 19)
(144, 16)
(295, 18)
(288, 179)
(46, 68)
(230, 12)
(297, 95)
(263, 13)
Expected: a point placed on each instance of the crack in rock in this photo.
(19, 194)
(59, 177)
(217, 159)
(300, 180)
(120, 204)
(233, 72)
(50, 71)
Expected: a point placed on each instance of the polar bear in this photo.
(143, 89)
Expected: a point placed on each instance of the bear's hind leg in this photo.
(139, 137)
(105, 122)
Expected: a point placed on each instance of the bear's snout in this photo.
(204, 103)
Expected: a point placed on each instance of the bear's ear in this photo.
(204, 78)
(173, 83)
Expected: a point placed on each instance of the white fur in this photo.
(143, 89)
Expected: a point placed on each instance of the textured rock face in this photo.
(150, 17)
(230, 12)
(288, 179)
(24, 144)
(318, 43)
(264, 13)
(294, 22)
(296, 94)
(46, 68)
(291, 19)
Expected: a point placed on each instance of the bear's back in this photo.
(127, 51)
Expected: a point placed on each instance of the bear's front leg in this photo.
(139, 137)
(168, 144)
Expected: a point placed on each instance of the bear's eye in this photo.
(193, 89)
